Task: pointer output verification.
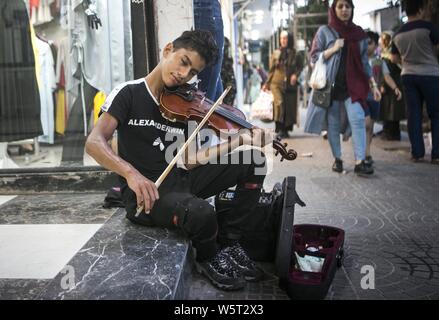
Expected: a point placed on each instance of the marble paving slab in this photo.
(126, 261)
(40, 251)
(55, 209)
(4, 199)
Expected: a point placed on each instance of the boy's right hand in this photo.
(146, 191)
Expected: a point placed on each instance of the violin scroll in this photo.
(282, 149)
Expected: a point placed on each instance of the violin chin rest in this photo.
(167, 118)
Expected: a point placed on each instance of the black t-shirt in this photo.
(143, 134)
(340, 92)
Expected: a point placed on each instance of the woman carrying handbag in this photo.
(344, 48)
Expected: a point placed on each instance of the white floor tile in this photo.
(40, 251)
(4, 199)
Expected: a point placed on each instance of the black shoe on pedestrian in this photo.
(435, 161)
(221, 272)
(242, 261)
(285, 134)
(338, 165)
(363, 169)
(369, 160)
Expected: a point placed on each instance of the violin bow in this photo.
(186, 144)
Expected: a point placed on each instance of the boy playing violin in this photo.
(144, 139)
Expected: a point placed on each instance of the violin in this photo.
(186, 103)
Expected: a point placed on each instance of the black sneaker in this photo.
(338, 165)
(363, 169)
(369, 160)
(242, 261)
(221, 272)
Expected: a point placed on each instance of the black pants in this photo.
(182, 205)
(391, 130)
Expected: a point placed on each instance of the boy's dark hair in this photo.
(373, 36)
(200, 41)
(412, 7)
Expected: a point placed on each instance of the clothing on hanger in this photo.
(19, 93)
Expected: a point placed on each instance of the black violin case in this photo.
(326, 241)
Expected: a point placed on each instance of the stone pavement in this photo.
(391, 221)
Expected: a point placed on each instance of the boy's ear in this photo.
(168, 49)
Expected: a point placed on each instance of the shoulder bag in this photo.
(322, 97)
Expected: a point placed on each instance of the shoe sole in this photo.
(247, 278)
(253, 279)
(364, 174)
(222, 286)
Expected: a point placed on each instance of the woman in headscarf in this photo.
(344, 48)
(285, 68)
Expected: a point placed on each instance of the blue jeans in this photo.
(418, 89)
(356, 119)
(207, 16)
(374, 109)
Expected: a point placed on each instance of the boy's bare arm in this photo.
(97, 146)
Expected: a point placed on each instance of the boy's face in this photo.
(371, 47)
(180, 66)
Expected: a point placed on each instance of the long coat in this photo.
(19, 96)
(284, 95)
(316, 117)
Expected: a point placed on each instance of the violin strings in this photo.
(226, 113)
(233, 117)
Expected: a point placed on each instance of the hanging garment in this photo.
(46, 76)
(103, 62)
(19, 95)
(61, 116)
(61, 102)
(98, 102)
(62, 80)
(40, 11)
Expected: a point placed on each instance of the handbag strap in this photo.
(332, 31)
(335, 36)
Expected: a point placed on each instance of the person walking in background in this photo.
(254, 84)
(344, 48)
(415, 45)
(262, 73)
(392, 109)
(207, 16)
(285, 68)
(246, 74)
(381, 75)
